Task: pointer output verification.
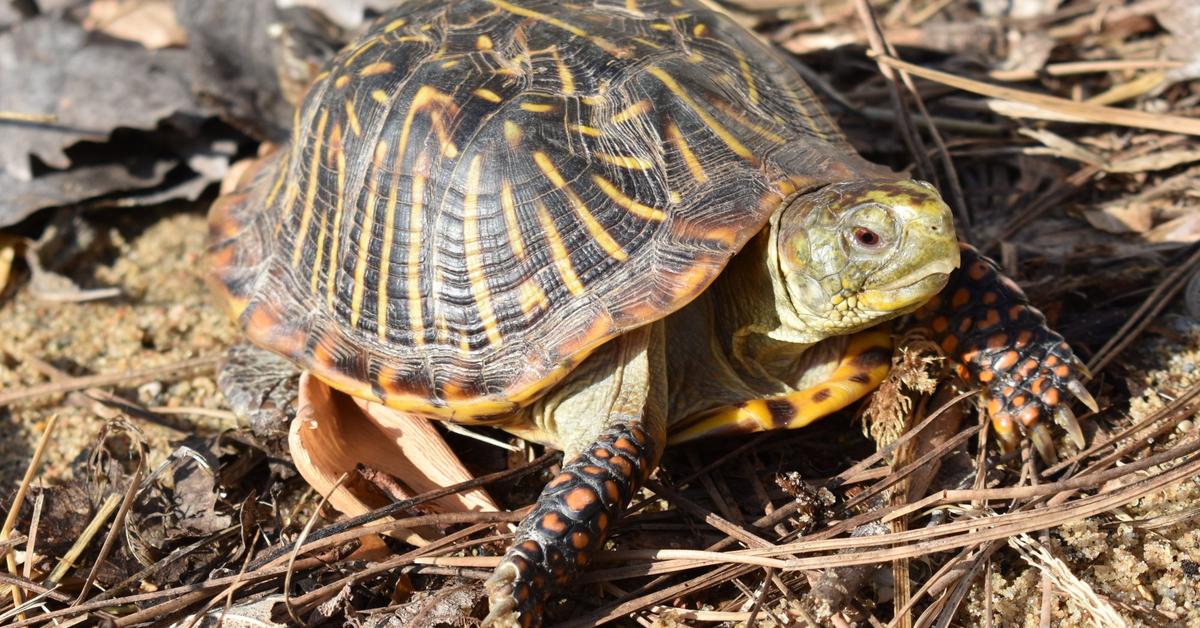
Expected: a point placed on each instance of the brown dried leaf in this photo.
(51, 66)
(335, 434)
(151, 23)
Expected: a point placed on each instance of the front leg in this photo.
(609, 417)
(985, 324)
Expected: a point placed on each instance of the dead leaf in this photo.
(151, 23)
(51, 66)
(1182, 20)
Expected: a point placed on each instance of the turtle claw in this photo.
(1066, 418)
(502, 606)
(1082, 393)
(1002, 343)
(1043, 441)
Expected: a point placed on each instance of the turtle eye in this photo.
(867, 238)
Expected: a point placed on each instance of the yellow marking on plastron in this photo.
(395, 25)
(364, 240)
(593, 226)
(379, 96)
(379, 67)
(310, 193)
(385, 256)
(645, 212)
(748, 77)
(449, 63)
(416, 318)
(583, 129)
(700, 30)
(558, 251)
(488, 95)
(675, 136)
(352, 118)
(335, 243)
(709, 121)
(532, 297)
(512, 133)
(508, 204)
(483, 42)
(802, 407)
(341, 82)
(632, 111)
(474, 255)
(661, 26)
(537, 107)
(625, 161)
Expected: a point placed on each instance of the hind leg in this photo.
(610, 420)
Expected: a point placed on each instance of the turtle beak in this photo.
(920, 266)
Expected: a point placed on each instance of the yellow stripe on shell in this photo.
(416, 317)
(630, 162)
(565, 78)
(385, 257)
(339, 207)
(593, 226)
(583, 129)
(709, 121)
(488, 95)
(352, 118)
(395, 25)
(632, 111)
(364, 239)
(558, 251)
(600, 42)
(748, 77)
(374, 69)
(311, 192)
(531, 296)
(805, 406)
(475, 274)
(645, 212)
(512, 134)
(537, 107)
(508, 204)
(675, 136)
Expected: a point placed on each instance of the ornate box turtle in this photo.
(606, 227)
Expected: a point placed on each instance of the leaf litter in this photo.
(1067, 127)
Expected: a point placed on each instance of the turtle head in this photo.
(853, 254)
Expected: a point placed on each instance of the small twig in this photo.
(130, 493)
(10, 520)
(107, 379)
(1069, 109)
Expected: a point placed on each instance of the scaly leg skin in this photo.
(610, 418)
(984, 322)
(569, 524)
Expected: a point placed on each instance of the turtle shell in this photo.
(477, 194)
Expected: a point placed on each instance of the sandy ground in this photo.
(166, 315)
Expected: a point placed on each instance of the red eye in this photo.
(867, 238)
